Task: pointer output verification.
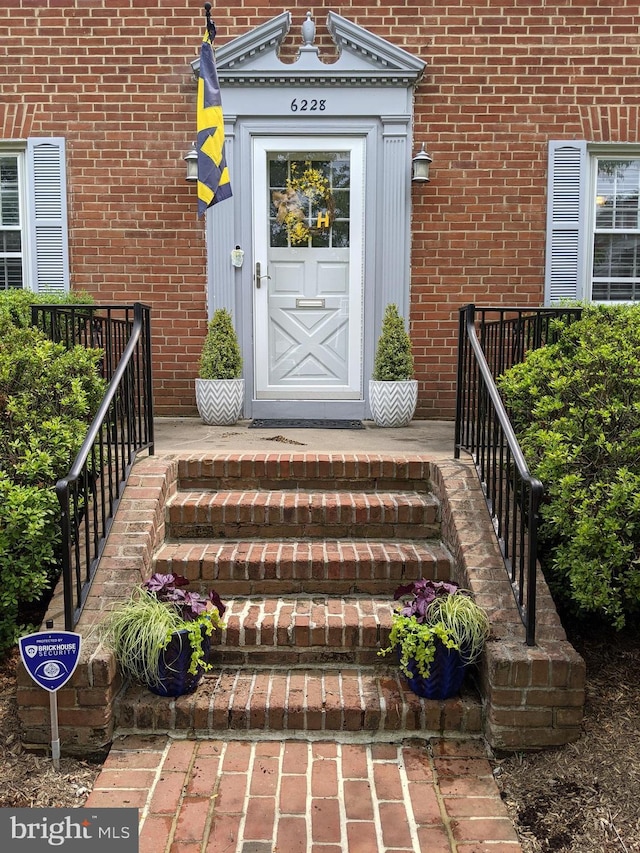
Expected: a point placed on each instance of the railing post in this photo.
(465, 315)
(62, 492)
(535, 497)
(148, 375)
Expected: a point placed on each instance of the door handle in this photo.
(259, 277)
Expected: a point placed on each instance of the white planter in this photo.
(219, 401)
(393, 404)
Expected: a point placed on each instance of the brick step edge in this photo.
(321, 700)
(281, 505)
(364, 471)
(298, 629)
(331, 566)
(313, 514)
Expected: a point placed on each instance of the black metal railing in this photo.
(491, 340)
(123, 426)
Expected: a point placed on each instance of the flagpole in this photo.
(211, 27)
(213, 175)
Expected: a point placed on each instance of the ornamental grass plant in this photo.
(139, 628)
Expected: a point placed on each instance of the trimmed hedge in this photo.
(48, 396)
(15, 306)
(575, 406)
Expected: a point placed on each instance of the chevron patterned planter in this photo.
(393, 404)
(219, 401)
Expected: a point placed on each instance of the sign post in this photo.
(50, 658)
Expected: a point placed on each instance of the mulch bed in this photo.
(585, 797)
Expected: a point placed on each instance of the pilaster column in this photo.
(394, 211)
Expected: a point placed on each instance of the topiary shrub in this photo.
(221, 357)
(48, 396)
(393, 358)
(575, 406)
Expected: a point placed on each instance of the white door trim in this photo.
(266, 388)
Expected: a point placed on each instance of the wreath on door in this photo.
(306, 199)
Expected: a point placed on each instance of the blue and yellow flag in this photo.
(213, 175)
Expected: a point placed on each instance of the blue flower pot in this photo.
(445, 676)
(175, 679)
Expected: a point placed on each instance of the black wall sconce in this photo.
(420, 167)
(191, 159)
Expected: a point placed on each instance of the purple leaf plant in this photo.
(418, 596)
(190, 604)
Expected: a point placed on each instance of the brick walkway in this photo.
(217, 796)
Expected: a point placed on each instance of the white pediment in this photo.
(364, 58)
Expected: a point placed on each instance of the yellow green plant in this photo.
(436, 611)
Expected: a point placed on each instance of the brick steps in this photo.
(341, 567)
(301, 700)
(307, 552)
(531, 697)
(288, 514)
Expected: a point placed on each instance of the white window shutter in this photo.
(566, 221)
(47, 215)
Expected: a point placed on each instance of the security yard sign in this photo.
(50, 658)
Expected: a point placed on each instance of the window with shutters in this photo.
(593, 223)
(33, 216)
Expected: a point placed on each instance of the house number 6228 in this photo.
(308, 106)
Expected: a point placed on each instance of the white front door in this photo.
(308, 218)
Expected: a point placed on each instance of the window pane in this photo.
(616, 245)
(341, 199)
(320, 240)
(10, 273)
(278, 235)
(622, 292)
(341, 235)
(309, 199)
(278, 172)
(9, 198)
(341, 174)
(616, 256)
(10, 241)
(617, 194)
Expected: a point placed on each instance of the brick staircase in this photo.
(307, 557)
(307, 549)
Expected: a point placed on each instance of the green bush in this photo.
(393, 358)
(48, 395)
(575, 406)
(29, 534)
(221, 358)
(15, 306)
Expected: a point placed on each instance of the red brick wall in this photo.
(114, 79)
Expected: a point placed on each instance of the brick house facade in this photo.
(523, 109)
